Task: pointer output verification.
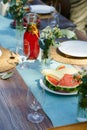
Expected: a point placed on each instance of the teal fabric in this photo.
(60, 109)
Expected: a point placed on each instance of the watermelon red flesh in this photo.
(52, 80)
(59, 88)
(68, 81)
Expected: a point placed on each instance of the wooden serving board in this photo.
(6, 62)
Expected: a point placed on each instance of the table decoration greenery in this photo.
(16, 9)
(49, 37)
(83, 91)
(82, 97)
(14, 1)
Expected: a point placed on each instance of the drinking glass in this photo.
(34, 105)
(24, 52)
(54, 21)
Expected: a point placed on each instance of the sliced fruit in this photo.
(61, 79)
(52, 79)
(69, 71)
(68, 81)
(60, 67)
(66, 84)
(58, 74)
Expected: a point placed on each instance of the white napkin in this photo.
(68, 33)
(42, 9)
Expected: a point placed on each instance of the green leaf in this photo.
(41, 43)
(5, 1)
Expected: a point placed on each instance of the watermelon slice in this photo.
(68, 81)
(66, 84)
(61, 79)
(53, 80)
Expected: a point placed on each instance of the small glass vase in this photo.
(45, 59)
(82, 107)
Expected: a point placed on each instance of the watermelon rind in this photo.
(60, 88)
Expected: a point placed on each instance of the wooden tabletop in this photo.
(13, 106)
(77, 126)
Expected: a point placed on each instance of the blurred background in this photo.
(75, 10)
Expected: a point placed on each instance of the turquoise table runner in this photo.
(61, 109)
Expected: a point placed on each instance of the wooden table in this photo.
(13, 106)
(77, 126)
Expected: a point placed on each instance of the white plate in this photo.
(42, 9)
(0, 52)
(74, 48)
(49, 90)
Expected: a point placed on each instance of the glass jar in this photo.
(32, 39)
(82, 107)
(32, 35)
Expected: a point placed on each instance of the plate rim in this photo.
(73, 55)
(54, 92)
(43, 12)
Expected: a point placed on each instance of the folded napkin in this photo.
(68, 33)
(42, 9)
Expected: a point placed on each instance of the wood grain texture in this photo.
(77, 126)
(6, 62)
(13, 107)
